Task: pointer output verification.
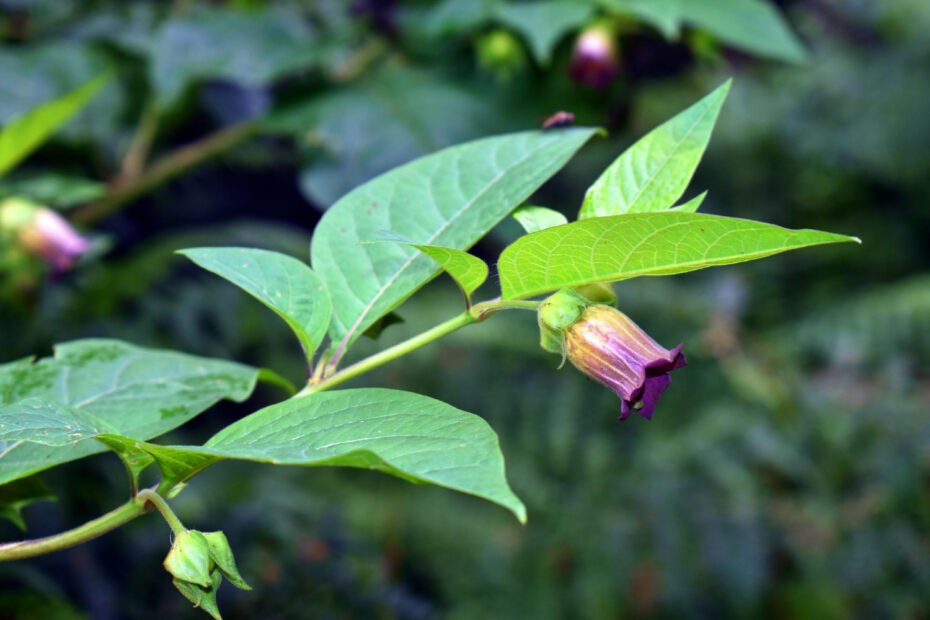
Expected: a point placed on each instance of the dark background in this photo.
(787, 471)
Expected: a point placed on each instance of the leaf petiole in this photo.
(476, 314)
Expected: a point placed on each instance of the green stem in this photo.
(163, 508)
(478, 312)
(164, 170)
(90, 530)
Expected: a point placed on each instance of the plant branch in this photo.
(92, 529)
(164, 170)
(477, 313)
(163, 508)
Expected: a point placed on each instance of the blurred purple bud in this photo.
(595, 60)
(50, 236)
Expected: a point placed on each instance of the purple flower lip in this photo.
(609, 347)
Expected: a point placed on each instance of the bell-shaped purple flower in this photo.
(595, 60)
(608, 346)
(51, 237)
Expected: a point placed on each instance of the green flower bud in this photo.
(189, 559)
(559, 311)
(501, 53)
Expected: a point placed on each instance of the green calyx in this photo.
(16, 213)
(556, 314)
(561, 310)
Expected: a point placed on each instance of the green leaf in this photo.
(533, 219)
(22, 135)
(468, 271)
(692, 205)
(140, 393)
(543, 24)
(176, 465)
(253, 48)
(16, 495)
(47, 423)
(752, 25)
(284, 284)
(31, 75)
(647, 244)
(414, 437)
(451, 199)
(653, 173)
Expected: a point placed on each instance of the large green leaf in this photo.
(753, 25)
(141, 393)
(414, 437)
(542, 24)
(284, 284)
(450, 199)
(653, 173)
(24, 134)
(646, 244)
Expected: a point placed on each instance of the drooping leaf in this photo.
(22, 135)
(533, 219)
(468, 271)
(692, 205)
(449, 199)
(284, 284)
(752, 25)
(353, 134)
(653, 173)
(414, 437)
(408, 435)
(137, 392)
(543, 24)
(645, 244)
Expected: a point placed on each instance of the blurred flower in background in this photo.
(595, 60)
(42, 232)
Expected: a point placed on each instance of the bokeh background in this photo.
(787, 471)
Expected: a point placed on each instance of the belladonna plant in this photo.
(370, 252)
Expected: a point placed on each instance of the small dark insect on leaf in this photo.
(559, 119)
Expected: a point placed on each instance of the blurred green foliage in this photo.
(786, 472)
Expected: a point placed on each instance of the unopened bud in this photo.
(595, 60)
(501, 53)
(189, 559)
